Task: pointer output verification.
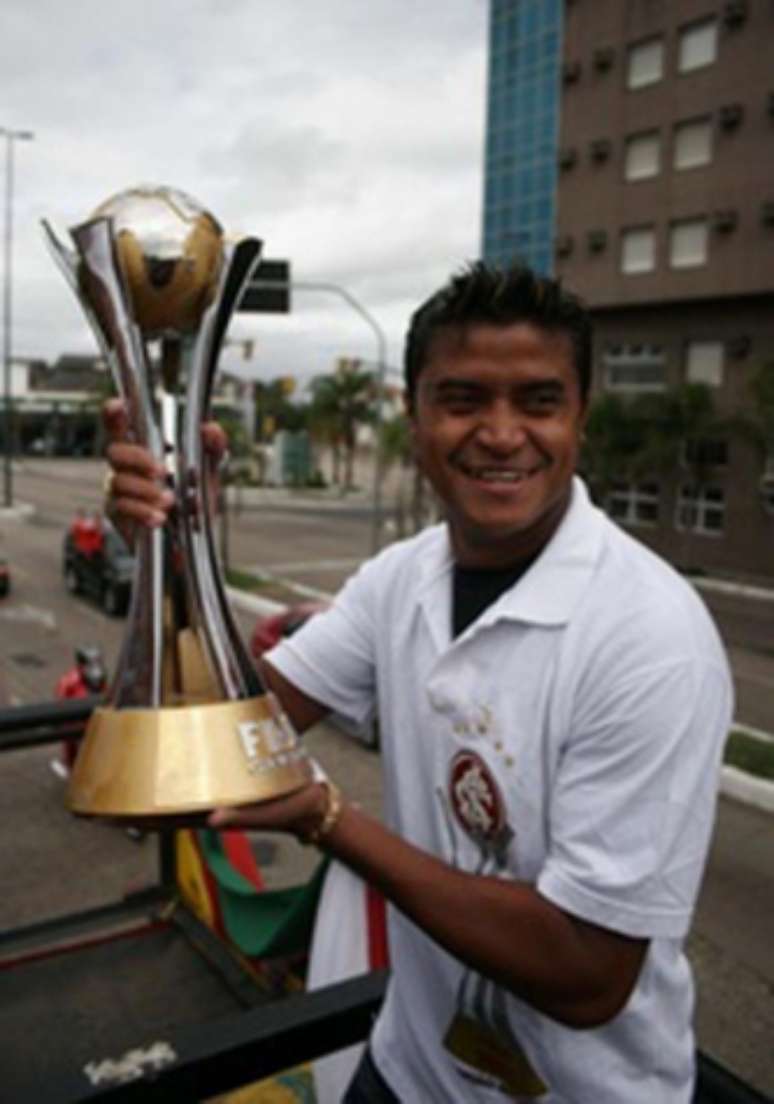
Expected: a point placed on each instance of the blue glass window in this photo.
(521, 147)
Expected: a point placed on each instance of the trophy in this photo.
(187, 724)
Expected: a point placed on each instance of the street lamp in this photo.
(10, 136)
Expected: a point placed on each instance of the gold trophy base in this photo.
(170, 767)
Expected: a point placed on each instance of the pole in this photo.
(10, 137)
(7, 243)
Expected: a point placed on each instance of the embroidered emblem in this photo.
(475, 797)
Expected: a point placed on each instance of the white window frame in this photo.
(697, 45)
(692, 144)
(635, 363)
(638, 57)
(705, 362)
(693, 506)
(634, 497)
(684, 253)
(645, 236)
(645, 148)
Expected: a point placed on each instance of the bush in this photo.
(750, 754)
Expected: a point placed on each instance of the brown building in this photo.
(665, 223)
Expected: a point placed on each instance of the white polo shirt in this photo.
(570, 738)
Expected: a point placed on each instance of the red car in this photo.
(270, 630)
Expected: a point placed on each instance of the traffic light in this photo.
(268, 290)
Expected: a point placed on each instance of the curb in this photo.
(21, 512)
(747, 788)
(253, 603)
(740, 590)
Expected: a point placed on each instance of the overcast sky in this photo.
(347, 134)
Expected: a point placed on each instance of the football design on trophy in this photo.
(187, 724)
(171, 255)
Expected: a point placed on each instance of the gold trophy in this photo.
(187, 724)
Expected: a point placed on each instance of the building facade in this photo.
(665, 225)
(522, 130)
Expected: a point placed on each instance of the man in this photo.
(88, 676)
(553, 702)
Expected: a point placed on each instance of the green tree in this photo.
(274, 409)
(613, 437)
(758, 427)
(341, 401)
(674, 422)
(651, 435)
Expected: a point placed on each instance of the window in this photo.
(634, 503)
(693, 144)
(706, 451)
(688, 243)
(698, 45)
(645, 63)
(704, 362)
(643, 156)
(634, 368)
(701, 510)
(638, 250)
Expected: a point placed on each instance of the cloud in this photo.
(348, 136)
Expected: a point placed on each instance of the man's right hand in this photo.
(138, 494)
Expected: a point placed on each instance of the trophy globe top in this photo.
(171, 252)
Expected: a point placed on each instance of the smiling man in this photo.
(496, 418)
(553, 702)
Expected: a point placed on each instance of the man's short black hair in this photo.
(483, 293)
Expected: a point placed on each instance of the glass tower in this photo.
(522, 131)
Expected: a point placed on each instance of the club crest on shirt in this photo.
(475, 797)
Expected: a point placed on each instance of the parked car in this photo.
(270, 630)
(5, 576)
(104, 572)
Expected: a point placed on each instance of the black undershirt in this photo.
(476, 588)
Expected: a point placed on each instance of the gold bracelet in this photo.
(333, 807)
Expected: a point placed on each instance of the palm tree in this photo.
(273, 406)
(612, 439)
(341, 401)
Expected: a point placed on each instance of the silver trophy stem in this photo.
(224, 642)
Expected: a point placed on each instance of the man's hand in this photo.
(138, 494)
(299, 813)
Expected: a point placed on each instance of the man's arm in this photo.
(302, 710)
(573, 971)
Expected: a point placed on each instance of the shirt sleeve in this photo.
(632, 810)
(332, 657)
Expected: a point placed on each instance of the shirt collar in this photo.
(546, 594)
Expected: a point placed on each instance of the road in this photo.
(730, 946)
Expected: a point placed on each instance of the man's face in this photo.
(497, 421)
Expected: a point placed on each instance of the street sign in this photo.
(268, 291)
